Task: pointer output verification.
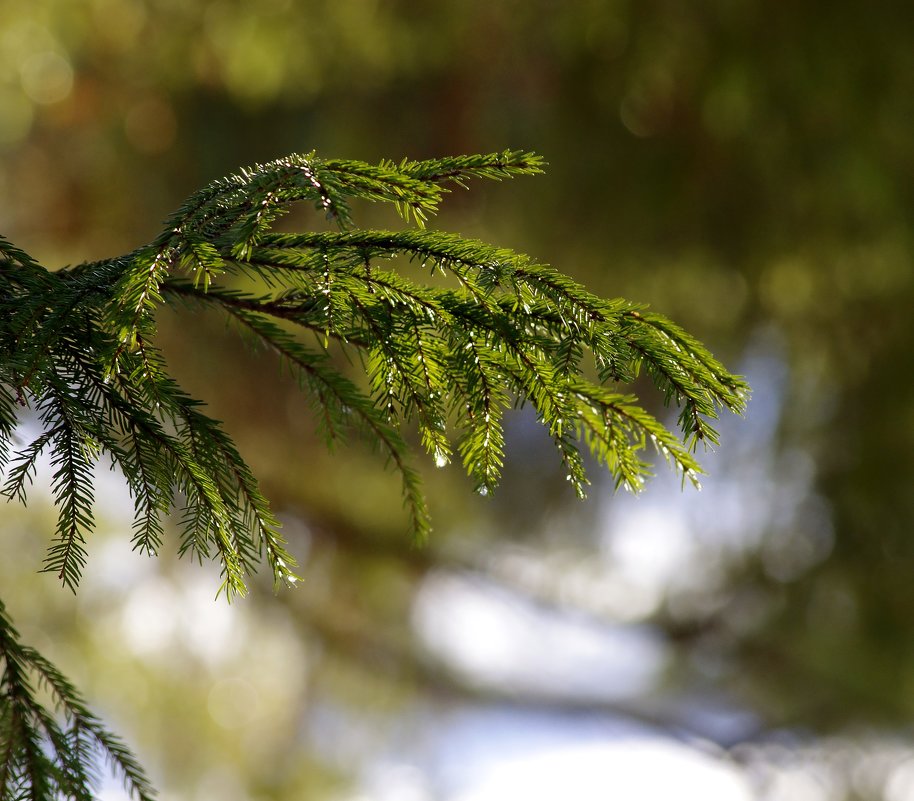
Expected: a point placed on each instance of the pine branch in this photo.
(72, 490)
(47, 754)
(79, 343)
(457, 169)
(78, 347)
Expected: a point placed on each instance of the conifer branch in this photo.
(79, 343)
(78, 348)
(47, 754)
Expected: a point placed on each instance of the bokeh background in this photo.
(745, 167)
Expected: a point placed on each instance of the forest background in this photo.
(746, 168)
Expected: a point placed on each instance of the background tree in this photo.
(745, 173)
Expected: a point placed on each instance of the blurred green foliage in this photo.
(745, 167)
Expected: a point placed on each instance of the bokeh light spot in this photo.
(47, 77)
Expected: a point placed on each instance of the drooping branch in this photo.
(78, 351)
(79, 346)
(48, 753)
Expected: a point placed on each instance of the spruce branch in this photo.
(78, 352)
(79, 346)
(48, 753)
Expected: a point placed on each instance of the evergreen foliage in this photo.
(45, 755)
(448, 357)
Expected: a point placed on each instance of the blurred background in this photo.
(744, 167)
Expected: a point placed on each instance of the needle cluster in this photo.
(443, 359)
(78, 347)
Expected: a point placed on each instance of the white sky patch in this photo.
(160, 614)
(648, 549)
(114, 566)
(647, 770)
(112, 495)
(900, 786)
(494, 637)
(150, 615)
(485, 753)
